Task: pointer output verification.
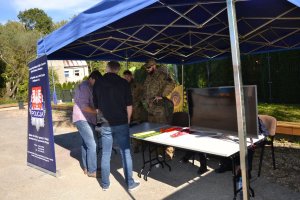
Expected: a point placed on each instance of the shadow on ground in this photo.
(72, 142)
(184, 181)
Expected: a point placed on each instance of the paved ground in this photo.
(18, 181)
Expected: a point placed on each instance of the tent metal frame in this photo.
(126, 41)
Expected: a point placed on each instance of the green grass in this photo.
(282, 112)
(7, 101)
(63, 106)
(68, 104)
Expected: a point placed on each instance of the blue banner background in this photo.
(40, 148)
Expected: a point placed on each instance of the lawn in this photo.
(282, 112)
(7, 101)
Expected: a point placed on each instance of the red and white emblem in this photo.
(37, 107)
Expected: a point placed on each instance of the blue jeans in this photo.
(120, 134)
(88, 147)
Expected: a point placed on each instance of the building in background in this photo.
(69, 70)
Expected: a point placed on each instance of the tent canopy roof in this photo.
(172, 31)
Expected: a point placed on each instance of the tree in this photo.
(101, 66)
(36, 19)
(17, 49)
(97, 65)
(2, 77)
(57, 25)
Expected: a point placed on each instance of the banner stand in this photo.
(40, 137)
(57, 174)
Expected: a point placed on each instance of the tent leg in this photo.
(238, 83)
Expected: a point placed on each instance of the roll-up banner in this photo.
(40, 146)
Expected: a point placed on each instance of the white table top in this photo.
(200, 142)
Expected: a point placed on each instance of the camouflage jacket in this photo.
(137, 91)
(157, 84)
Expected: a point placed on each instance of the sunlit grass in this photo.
(7, 101)
(282, 112)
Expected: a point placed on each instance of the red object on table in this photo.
(179, 133)
(170, 129)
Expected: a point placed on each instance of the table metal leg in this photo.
(144, 161)
(153, 159)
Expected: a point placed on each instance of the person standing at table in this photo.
(113, 97)
(157, 86)
(84, 118)
(138, 114)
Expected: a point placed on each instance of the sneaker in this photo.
(85, 171)
(134, 186)
(94, 175)
(105, 188)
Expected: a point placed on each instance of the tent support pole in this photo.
(238, 84)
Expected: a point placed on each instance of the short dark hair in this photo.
(114, 65)
(95, 75)
(127, 72)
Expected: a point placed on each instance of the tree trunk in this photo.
(8, 86)
(10, 91)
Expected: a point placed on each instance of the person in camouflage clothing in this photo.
(157, 86)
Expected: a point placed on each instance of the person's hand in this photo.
(157, 99)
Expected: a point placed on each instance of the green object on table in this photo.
(145, 134)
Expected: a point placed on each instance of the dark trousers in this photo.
(202, 158)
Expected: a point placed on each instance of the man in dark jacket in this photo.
(112, 95)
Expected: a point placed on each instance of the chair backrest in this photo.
(270, 123)
(180, 119)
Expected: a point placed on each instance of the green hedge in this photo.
(279, 83)
(64, 91)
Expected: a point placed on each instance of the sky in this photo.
(58, 10)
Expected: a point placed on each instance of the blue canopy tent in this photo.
(179, 32)
(172, 31)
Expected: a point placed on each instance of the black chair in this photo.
(180, 119)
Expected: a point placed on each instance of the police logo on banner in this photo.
(37, 108)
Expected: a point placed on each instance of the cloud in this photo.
(73, 6)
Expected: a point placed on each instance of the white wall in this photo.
(75, 73)
(76, 70)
